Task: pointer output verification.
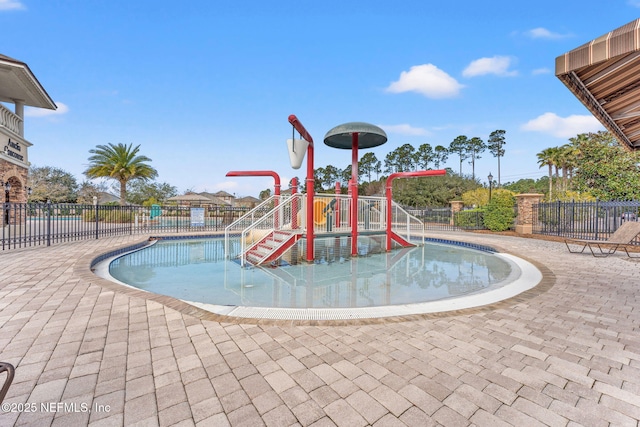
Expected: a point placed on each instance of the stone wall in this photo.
(17, 177)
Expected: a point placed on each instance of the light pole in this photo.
(7, 188)
(490, 178)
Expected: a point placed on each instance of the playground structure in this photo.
(273, 228)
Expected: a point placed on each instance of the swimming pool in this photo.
(433, 277)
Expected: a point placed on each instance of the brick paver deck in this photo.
(91, 353)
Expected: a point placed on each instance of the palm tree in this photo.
(567, 157)
(547, 157)
(121, 163)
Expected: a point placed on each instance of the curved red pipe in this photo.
(275, 176)
(301, 129)
(388, 193)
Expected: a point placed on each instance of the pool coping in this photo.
(315, 316)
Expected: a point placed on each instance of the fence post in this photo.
(48, 213)
(525, 219)
(456, 206)
(597, 219)
(558, 223)
(95, 206)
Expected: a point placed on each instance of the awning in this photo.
(604, 75)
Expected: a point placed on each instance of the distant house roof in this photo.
(194, 197)
(104, 197)
(223, 194)
(248, 199)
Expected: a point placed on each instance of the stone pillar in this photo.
(456, 206)
(524, 218)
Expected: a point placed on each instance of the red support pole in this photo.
(389, 187)
(337, 209)
(294, 205)
(354, 194)
(309, 183)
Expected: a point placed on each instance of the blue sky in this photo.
(206, 87)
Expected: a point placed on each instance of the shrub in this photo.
(500, 212)
(478, 197)
(108, 215)
(470, 219)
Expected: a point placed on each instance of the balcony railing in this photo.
(10, 120)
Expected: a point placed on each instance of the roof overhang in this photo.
(604, 75)
(18, 83)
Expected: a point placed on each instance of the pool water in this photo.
(196, 270)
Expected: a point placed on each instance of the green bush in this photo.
(110, 216)
(500, 213)
(470, 219)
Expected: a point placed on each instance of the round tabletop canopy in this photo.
(368, 135)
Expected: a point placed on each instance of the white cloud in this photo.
(634, 3)
(539, 71)
(404, 129)
(427, 80)
(562, 127)
(498, 65)
(43, 112)
(11, 5)
(543, 33)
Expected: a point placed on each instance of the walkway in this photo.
(91, 354)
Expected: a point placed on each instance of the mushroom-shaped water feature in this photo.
(355, 135)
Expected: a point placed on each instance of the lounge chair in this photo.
(10, 370)
(621, 239)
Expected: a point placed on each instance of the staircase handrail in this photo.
(237, 226)
(404, 224)
(282, 212)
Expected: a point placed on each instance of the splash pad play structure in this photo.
(324, 256)
(285, 228)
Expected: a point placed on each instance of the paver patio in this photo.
(88, 352)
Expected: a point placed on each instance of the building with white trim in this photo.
(18, 86)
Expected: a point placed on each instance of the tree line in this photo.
(407, 157)
(117, 162)
(591, 166)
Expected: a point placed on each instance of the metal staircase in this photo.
(267, 236)
(271, 247)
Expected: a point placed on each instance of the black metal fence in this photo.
(35, 224)
(583, 220)
(444, 219)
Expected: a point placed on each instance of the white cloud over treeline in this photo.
(497, 65)
(404, 129)
(427, 80)
(563, 127)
